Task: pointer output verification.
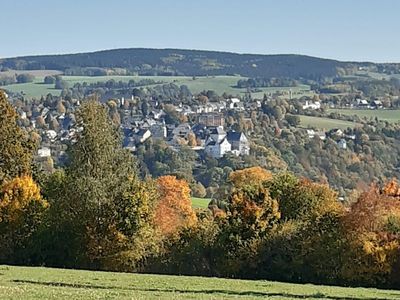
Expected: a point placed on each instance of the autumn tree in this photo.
(21, 212)
(174, 209)
(16, 147)
(192, 142)
(60, 107)
(372, 232)
(249, 176)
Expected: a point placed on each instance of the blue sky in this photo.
(340, 29)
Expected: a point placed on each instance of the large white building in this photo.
(219, 143)
(217, 149)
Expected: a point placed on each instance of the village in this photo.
(200, 126)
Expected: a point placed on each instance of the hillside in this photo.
(45, 283)
(180, 62)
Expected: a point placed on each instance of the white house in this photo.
(342, 144)
(239, 143)
(362, 103)
(312, 105)
(51, 134)
(312, 133)
(44, 152)
(217, 149)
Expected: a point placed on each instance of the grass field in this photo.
(382, 114)
(45, 283)
(200, 202)
(324, 123)
(219, 84)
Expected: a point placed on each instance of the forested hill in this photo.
(181, 62)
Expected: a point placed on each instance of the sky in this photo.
(351, 30)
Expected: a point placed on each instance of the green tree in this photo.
(49, 80)
(250, 216)
(25, 78)
(99, 188)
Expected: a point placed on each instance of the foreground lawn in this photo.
(45, 283)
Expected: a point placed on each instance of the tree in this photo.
(198, 190)
(174, 210)
(249, 176)
(99, 188)
(293, 120)
(25, 78)
(302, 199)
(40, 122)
(60, 107)
(54, 125)
(192, 142)
(16, 147)
(49, 80)
(203, 99)
(60, 84)
(127, 235)
(145, 108)
(21, 212)
(372, 232)
(251, 215)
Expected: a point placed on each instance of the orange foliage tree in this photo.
(174, 210)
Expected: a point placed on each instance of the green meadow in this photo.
(389, 115)
(324, 123)
(200, 202)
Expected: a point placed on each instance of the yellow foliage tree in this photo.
(21, 212)
(249, 176)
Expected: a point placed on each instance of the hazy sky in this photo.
(341, 29)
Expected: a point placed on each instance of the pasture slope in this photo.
(45, 283)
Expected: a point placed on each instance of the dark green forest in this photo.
(181, 62)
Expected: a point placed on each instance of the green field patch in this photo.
(200, 202)
(324, 123)
(390, 115)
(35, 89)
